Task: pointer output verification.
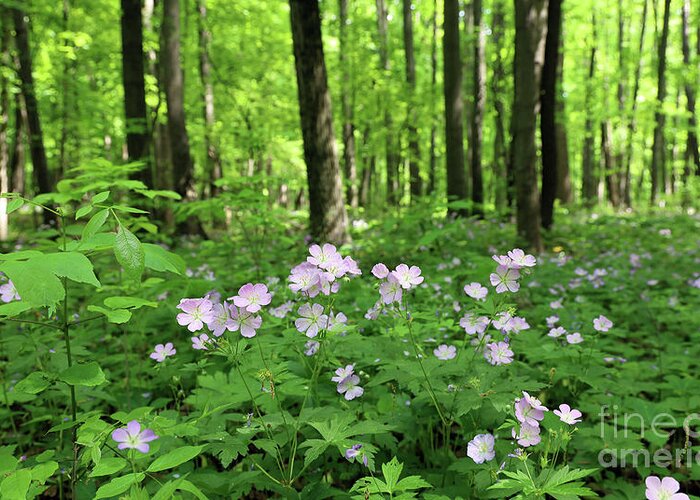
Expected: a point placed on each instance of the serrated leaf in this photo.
(316, 448)
(87, 374)
(14, 308)
(42, 472)
(159, 259)
(174, 458)
(119, 485)
(392, 472)
(16, 485)
(34, 383)
(72, 265)
(412, 483)
(129, 253)
(95, 224)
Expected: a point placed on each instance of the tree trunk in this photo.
(137, 137)
(327, 210)
(17, 156)
(392, 162)
(563, 177)
(452, 67)
(183, 166)
(214, 169)
(530, 29)
(347, 107)
(632, 124)
(691, 148)
(548, 110)
(589, 188)
(611, 185)
(477, 123)
(433, 92)
(36, 138)
(412, 119)
(5, 60)
(658, 157)
(500, 153)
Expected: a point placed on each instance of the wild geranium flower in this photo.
(474, 324)
(445, 352)
(502, 260)
(556, 304)
(221, 320)
(505, 279)
(527, 413)
(305, 278)
(160, 352)
(252, 297)
(521, 259)
(498, 353)
(552, 320)
(480, 449)
(602, 324)
(380, 271)
(351, 266)
(349, 386)
(322, 256)
(391, 290)
(407, 277)
(132, 437)
(195, 313)
(517, 325)
(476, 291)
(568, 415)
(282, 310)
(355, 451)
(342, 373)
(529, 435)
(556, 332)
(200, 343)
(663, 489)
(311, 347)
(574, 338)
(502, 321)
(244, 321)
(8, 293)
(312, 319)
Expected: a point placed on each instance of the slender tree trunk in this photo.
(500, 153)
(36, 137)
(530, 29)
(327, 210)
(183, 166)
(392, 160)
(589, 189)
(347, 108)
(466, 45)
(632, 123)
(611, 185)
(5, 59)
(548, 110)
(477, 123)
(692, 154)
(563, 176)
(433, 92)
(214, 169)
(65, 96)
(137, 136)
(452, 67)
(412, 119)
(17, 156)
(658, 157)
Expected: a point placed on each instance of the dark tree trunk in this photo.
(563, 176)
(392, 160)
(692, 155)
(433, 91)
(347, 105)
(477, 122)
(452, 67)
(658, 158)
(548, 110)
(589, 188)
(214, 169)
(137, 137)
(632, 123)
(611, 184)
(36, 137)
(500, 153)
(17, 156)
(327, 210)
(183, 166)
(530, 29)
(413, 149)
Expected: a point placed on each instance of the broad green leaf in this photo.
(14, 204)
(116, 316)
(42, 472)
(100, 197)
(392, 472)
(119, 485)
(72, 265)
(159, 259)
(34, 383)
(83, 211)
(87, 374)
(16, 485)
(128, 303)
(129, 253)
(174, 458)
(36, 284)
(167, 490)
(316, 449)
(95, 224)
(14, 308)
(108, 466)
(412, 483)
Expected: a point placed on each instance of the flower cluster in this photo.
(505, 278)
(8, 292)
(348, 382)
(395, 282)
(321, 271)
